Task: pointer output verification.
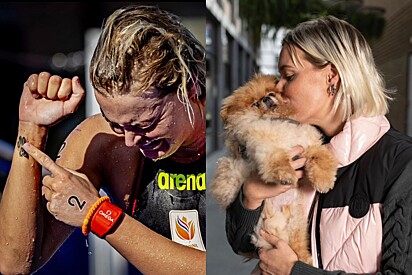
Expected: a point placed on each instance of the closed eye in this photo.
(136, 128)
(289, 77)
(255, 104)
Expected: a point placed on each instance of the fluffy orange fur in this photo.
(259, 131)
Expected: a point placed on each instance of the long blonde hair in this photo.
(329, 40)
(149, 47)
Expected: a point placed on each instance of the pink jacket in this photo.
(343, 237)
(346, 242)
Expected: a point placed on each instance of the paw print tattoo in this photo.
(20, 142)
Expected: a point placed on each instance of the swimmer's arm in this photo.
(45, 100)
(35, 235)
(20, 208)
(152, 253)
(76, 154)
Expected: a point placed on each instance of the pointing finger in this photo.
(43, 159)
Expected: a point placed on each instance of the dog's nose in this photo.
(270, 104)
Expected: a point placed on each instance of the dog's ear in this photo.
(226, 108)
(223, 114)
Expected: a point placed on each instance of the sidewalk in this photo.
(221, 260)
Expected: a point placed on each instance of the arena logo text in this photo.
(181, 182)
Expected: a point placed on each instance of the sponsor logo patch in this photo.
(185, 229)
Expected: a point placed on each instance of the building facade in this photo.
(393, 56)
(230, 62)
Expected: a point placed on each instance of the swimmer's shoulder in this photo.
(93, 125)
(95, 139)
(94, 129)
(87, 141)
(94, 149)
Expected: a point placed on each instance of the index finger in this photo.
(295, 152)
(43, 159)
(32, 85)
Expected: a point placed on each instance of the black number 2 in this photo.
(80, 205)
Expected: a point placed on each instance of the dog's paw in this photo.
(276, 168)
(279, 173)
(284, 175)
(322, 180)
(321, 168)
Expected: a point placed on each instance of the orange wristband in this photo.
(105, 218)
(92, 211)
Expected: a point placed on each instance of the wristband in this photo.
(92, 211)
(105, 219)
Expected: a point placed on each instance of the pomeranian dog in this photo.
(259, 131)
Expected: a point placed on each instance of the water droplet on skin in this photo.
(7, 243)
(32, 240)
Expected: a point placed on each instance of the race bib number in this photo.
(185, 228)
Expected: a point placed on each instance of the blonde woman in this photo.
(146, 150)
(364, 224)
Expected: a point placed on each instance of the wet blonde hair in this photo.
(329, 40)
(148, 47)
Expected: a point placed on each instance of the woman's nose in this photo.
(280, 85)
(131, 138)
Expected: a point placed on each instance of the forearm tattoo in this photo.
(76, 199)
(20, 143)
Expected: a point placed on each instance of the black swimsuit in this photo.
(164, 187)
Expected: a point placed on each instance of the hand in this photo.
(47, 99)
(69, 194)
(255, 191)
(278, 260)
